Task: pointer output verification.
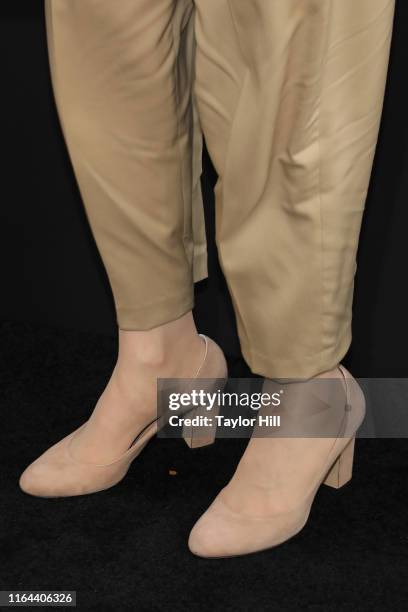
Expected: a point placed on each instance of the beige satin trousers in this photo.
(288, 95)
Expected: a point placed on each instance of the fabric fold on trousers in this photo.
(288, 95)
(122, 75)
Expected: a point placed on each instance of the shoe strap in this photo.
(347, 388)
(205, 355)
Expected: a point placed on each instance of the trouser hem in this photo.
(270, 366)
(156, 313)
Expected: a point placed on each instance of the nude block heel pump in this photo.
(233, 525)
(341, 471)
(56, 473)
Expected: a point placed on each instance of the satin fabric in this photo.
(288, 95)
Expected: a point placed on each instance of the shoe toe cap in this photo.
(201, 541)
(38, 480)
(213, 536)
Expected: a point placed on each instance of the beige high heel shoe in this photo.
(56, 473)
(236, 524)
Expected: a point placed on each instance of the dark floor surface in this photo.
(126, 548)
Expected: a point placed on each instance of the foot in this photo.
(96, 456)
(268, 499)
(128, 402)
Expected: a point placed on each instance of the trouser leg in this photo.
(290, 95)
(122, 74)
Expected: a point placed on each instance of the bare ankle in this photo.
(155, 347)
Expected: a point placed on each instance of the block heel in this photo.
(201, 427)
(197, 435)
(342, 469)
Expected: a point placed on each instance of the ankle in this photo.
(156, 347)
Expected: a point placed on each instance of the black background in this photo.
(52, 273)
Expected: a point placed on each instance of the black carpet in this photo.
(126, 548)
